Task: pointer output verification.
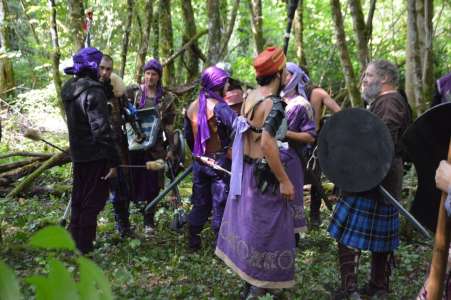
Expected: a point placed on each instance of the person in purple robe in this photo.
(301, 132)
(94, 156)
(208, 127)
(256, 239)
(146, 184)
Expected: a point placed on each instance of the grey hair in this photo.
(384, 68)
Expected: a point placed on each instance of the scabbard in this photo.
(404, 212)
(169, 187)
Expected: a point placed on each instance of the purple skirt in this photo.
(256, 238)
(295, 172)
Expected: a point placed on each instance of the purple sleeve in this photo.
(224, 117)
(299, 121)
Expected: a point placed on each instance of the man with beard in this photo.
(93, 153)
(364, 221)
(114, 91)
(256, 238)
(208, 127)
(148, 183)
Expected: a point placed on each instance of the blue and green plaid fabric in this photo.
(365, 224)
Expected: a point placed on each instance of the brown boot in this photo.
(377, 287)
(349, 261)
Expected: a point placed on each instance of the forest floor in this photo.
(162, 267)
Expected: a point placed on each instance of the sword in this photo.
(169, 188)
(404, 212)
(211, 163)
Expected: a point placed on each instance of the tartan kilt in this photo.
(365, 224)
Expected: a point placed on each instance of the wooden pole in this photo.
(436, 277)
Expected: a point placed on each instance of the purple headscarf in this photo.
(212, 78)
(297, 83)
(155, 65)
(85, 60)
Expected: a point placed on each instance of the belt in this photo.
(250, 160)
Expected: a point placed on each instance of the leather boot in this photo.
(315, 205)
(349, 260)
(377, 287)
(121, 215)
(194, 241)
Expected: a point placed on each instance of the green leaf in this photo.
(52, 237)
(58, 285)
(43, 287)
(93, 282)
(9, 286)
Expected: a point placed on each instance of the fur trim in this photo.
(118, 85)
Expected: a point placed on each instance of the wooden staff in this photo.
(436, 277)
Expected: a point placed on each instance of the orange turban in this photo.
(269, 62)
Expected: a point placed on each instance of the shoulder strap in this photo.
(253, 108)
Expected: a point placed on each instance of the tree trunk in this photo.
(32, 26)
(141, 58)
(128, 28)
(255, 7)
(7, 81)
(156, 31)
(230, 27)
(55, 54)
(214, 32)
(360, 30)
(192, 60)
(76, 12)
(167, 42)
(56, 160)
(354, 94)
(428, 80)
(413, 63)
(299, 34)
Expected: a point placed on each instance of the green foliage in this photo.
(59, 282)
(9, 286)
(52, 237)
(93, 283)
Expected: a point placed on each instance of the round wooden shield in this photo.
(426, 143)
(355, 150)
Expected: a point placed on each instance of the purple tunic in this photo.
(299, 116)
(256, 238)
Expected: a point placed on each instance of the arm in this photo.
(271, 151)
(326, 99)
(188, 132)
(301, 126)
(443, 176)
(302, 137)
(168, 123)
(97, 113)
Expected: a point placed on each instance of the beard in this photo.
(371, 91)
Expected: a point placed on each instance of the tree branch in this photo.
(181, 50)
(236, 5)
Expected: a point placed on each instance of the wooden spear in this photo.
(435, 281)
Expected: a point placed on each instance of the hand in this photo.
(111, 173)
(287, 189)
(443, 176)
(170, 155)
